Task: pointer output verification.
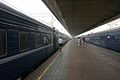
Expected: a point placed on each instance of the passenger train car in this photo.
(108, 39)
(24, 43)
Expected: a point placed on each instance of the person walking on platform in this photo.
(84, 42)
(79, 41)
(60, 41)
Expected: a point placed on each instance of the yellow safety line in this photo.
(40, 77)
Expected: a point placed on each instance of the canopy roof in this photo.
(79, 16)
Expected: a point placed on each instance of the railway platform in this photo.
(85, 62)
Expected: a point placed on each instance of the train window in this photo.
(117, 37)
(37, 40)
(45, 39)
(51, 39)
(2, 42)
(24, 41)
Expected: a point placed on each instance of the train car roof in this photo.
(21, 15)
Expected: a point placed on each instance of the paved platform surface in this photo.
(86, 62)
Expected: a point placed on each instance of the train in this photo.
(109, 39)
(25, 43)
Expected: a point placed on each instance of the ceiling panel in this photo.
(79, 16)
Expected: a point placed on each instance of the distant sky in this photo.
(37, 10)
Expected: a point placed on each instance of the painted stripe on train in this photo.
(2, 61)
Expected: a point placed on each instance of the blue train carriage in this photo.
(108, 39)
(24, 43)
